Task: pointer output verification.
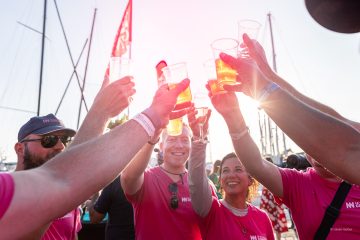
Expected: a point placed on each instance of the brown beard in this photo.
(33, 161)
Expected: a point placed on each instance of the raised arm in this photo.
(258, 54)
(109, 102)
(132, 177)
(247, 151)
(332, 142)
(81, 170)
(200, 192)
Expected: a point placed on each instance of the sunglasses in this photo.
(50, 141)
(174, 201)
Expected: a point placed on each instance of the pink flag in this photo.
(123, 36)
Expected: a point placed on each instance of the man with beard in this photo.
(91, 161)
(39, 140)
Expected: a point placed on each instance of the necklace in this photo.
(176, 174)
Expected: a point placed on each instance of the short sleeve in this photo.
(7, 187)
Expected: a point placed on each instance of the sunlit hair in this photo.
(216, 166)
(252, 191)
(164, 132)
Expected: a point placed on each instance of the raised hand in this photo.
(252, 80)
(226, 104)
(164, 102)
(257, 53)
(195, 122)
(114, 97)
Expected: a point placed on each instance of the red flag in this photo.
(123, 37)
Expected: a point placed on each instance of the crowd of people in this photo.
(170, 201)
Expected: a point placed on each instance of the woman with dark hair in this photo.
(233, 216)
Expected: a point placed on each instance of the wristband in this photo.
(269, 88)
(154, 118)
(146, 123)
(238, 136)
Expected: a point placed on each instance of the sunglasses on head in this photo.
(174, 201)
(50, 141)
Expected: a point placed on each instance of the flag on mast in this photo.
(124, 36)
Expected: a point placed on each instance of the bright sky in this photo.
(323, 64)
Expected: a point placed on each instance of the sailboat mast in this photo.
(275, 69)
(272, 43)
(86, 67)
(42, 56)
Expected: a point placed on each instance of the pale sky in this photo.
(322, 64)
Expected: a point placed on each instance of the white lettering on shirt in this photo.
(352, 204)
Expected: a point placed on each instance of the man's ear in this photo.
(19, 149)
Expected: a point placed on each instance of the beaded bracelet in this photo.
(154, 143)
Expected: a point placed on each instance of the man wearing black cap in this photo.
(39, 140)
(87, 165)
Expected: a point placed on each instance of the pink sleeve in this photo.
(7, 188)
(291, 179)
(78, 225)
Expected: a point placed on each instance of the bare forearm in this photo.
(93, 125)
(132, 176)
(201, 197)
(101, 158)
(327, 139)
(313, 103)
(249, 154)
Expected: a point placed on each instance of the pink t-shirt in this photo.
(7, 188)
(221, 223)
(153, 216)
(64, 228)
(308, 195)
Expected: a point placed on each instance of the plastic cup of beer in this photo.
(251, 28)
(201, 106)
(119, 68)
(225, 74)
(210, 70)
(174, 74)
(175, 127)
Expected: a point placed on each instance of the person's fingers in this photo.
(234, 88)
(230, 60)
(248, 41)
(126, 80)
(131, 92)
(209, 90)
(177, 114)
(180, 87)
(182, 105)
(208, 86)
(208, 114)
(191, 115)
